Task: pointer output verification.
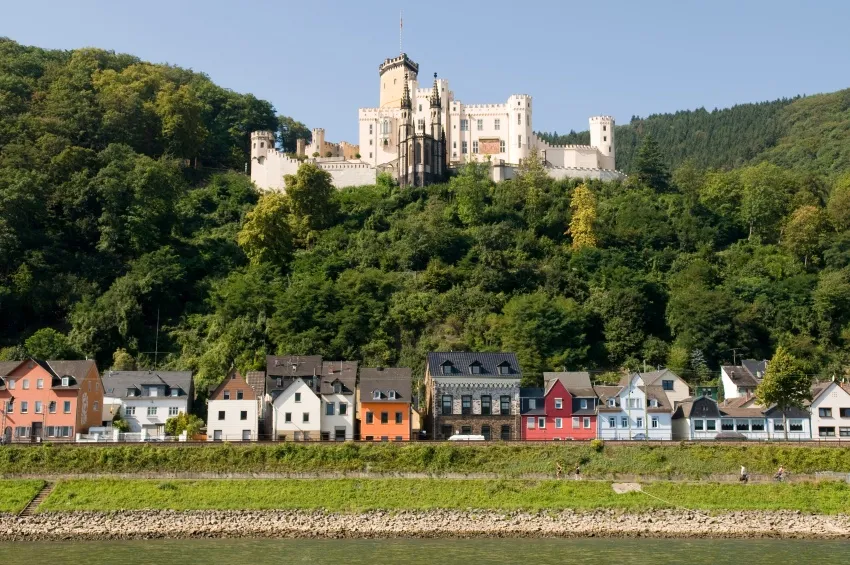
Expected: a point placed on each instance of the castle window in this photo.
(370, 129)
(609, 149)
(519, 141)
(370, 142)
(385, 127)
(262, 144)
(454, 144)
(519, 119)
(463, 147)
(480, 125)
(255, 145)
(604, 138)
(464, 125)
(420, 107)
(370, 154)
(475, 146)
(604, 128)
(420, 125)
(497, 124)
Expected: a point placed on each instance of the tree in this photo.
(765, 190)
(783, 385)
(189, 423)
(266, 236)
(803, 231)
(471, 186)
(699, 366)
(838, 205)
(533, 180)
(289, 131)
(123, 361)
(649, 168)
(583, 205)
(311, 199)
(47, 343)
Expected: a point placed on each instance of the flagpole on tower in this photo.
(400, 29)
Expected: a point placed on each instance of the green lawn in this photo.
(14, 495)
(352, 495)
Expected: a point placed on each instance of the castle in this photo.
(418, 134)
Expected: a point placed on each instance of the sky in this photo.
(317, 61)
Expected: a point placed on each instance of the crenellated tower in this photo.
(602, 138)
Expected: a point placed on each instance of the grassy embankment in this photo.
(14, 495)
(353, 495)
(506, 460)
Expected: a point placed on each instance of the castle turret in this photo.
(319, 141)
(395, 74)
(602, 138)
(437, 134)
(519, 107)
(261, 143)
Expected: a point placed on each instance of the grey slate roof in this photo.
(343, 371)
(605, 392)
(384, 380)
(461, 361)
(282, 370)
(748, 374)
(117, 383)
(257, 381)
(576, 382)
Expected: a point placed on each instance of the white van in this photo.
(459, 437)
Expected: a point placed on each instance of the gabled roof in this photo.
(7, 367)
(655, 377)
(344, 372)
(655, 392)
(215, 391)
(117, 383)
(606, 392)
(576, 382)
(384, 380)
(748, 374)
(293, 365)
(461, 361)
(257, 381)
(819, 389)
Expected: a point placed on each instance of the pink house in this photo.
(564, 409)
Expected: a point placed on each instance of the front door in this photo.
(37, 431)
(339, 434)
(246, 435)
(217, 435)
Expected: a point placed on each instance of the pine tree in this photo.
(583, 205)
(649, 167)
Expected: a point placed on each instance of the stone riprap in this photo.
(421, 524)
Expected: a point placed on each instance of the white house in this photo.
(146, 399)
(741, 381)
(672, 384)
(703, 418)
(296, 412)
(337, 385)
(830, 411)
(232, 411)
(633, 411)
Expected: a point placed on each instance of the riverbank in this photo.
(128, 525)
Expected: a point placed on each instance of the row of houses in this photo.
(305, 398)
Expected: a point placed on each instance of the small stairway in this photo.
(30, 508)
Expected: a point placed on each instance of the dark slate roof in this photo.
(531, 392)
(383, 380)
(116, 383)
(748, 375)
(343, 371)
(460, 361)
(257, 381)
(535, 412)
(293, 365)
(77, 370)
(586, 412)
(576, 382)
(700, 407)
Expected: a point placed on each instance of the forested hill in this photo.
(806, 133)
(124, 211)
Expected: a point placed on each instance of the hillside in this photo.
(118, 212)
(809, 134)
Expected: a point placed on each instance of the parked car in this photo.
(459, 437)
(733, 436)
(640, 436)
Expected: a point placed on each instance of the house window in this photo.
(376, 395)
(466, 430)
(24, 407)
(824, 431)
(559, 423)
(486, 405)
(576, 424)
(742, 425)
(173, 411)
(38, 406)
(757, 425)
(532, 403)
(287, 418)
(559, 403)
(51, 407)
(305, 417)
(541, 423)
(446, 431)
(633, 403)
(612, 422)
(464, 147)
(66, 407)
(446, 368)
(343, 408)
(530, 423)
(485, 431)
(654, 422)
(497, 124)
(480, 125)
(447, 405)
(297, 397)
(825, 412)
(420, 107)
(505, 405)
(464, 125)
(239, 395)
(778, 426)
(243, 415)
(652, 403)
(369, 417)
(727, 425)
(329, 409)
(227, 395)
(844, 432)
(612, 402)
(221, 414)
(519, 141)
(385, 417)
(26, 385)
(667, 385)
(151, 410)
(505, 433)
(844, 412)
(11, 384)
(639, 422)
(604, 138)
(475, 146)
(504, 369)
(698, 425)
(399, 417)
(583, 403)
(501, 146)
(39, 383)
(711, 425)
(175, 392)
(466, 404)
(129, 410)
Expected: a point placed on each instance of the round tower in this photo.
(261, 143)
(602, 138)
(392, 77)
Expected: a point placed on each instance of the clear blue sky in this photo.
(317, 60)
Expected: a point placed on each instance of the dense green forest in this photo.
(804, 133)
(124, 210)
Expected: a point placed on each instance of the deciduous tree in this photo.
(783, 385)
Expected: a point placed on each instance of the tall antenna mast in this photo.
(400, 29)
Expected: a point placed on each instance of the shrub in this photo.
(597, 445)
(329, 154)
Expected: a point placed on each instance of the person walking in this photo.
(558, 470)
(578, 473)
(745, 477)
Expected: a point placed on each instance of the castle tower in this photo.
(319, 141)
(437, 134)
(602, 138)
(519, 110)
(406, 137)
(394, 75)
(261, 143)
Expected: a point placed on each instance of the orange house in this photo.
(50, 400)
(385, 404)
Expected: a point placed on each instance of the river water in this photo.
(442, 552)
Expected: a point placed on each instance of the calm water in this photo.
(414, 552)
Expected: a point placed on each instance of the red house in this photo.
(564, 409)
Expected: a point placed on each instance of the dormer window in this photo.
(612, 402)
(447, 368)
(175, 392)
(337, 388)
(475, 369)
(504, 369)
(65, 381)
(279, 382)
(131, 392)
(653, 403)
(392, 395)
(376, 395)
